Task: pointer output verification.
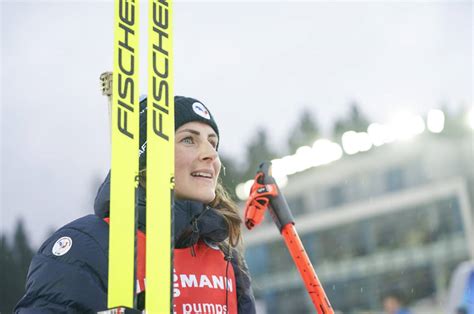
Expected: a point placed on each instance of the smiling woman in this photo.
(197, 162)
(210, 274)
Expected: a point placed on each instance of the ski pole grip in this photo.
(279, 208)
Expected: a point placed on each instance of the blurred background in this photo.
(365, 109)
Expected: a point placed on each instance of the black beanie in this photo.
(186, 110)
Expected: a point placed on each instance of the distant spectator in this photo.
(461, 310)
(393, 304)
(461, 290)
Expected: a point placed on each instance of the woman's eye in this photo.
(187, 140)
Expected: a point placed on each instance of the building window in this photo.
(394, 179)
(256, 257)
(279, 259)
(294, 300)
(336, 195)
(296, 204)
(312, 246)
(450, 217)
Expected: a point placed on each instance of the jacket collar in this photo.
(190, 218)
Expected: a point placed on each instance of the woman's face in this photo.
(197, 163)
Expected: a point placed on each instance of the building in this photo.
(396, 217)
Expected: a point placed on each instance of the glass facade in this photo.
(361, 260)
(394, 179)
(361, 186)
(296, 204)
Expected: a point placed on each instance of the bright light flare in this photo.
(325, 151)
(435, 121)
(278, 168)
(349, 142)
(243, 190)
(303, 158)
(290, 165)
(322, 152)
(470, 118)
(282, 181)
(363, 141)
(354, 142)
(380, 134)
(407, 126)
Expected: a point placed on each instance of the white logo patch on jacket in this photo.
(62, 246)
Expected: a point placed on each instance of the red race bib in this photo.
(204, 283)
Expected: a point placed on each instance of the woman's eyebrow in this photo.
(197, 132)
(190, 131)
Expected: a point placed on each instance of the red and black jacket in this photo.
(205, 279)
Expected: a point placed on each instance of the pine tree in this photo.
(23, 252)
(6, 266)
(455, 123)
(258, 151)
(231, 176)
(14, 262)
(305, 132)
(355, 122)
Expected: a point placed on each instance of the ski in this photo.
(124, 160)
(160, 158)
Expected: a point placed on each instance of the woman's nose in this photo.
(208, 152)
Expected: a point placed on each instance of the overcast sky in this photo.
(253, 63)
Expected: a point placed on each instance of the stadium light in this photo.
(378, 134)
(281, 181)
(278, 172)
(325, 151)
(336, 151)
(239, 190)
(435, 121)
(290, 165)
(349, 142)
(470, 118)
(278, 168)
(354, 142)
(243, 190)
(363, 141)
(406, 126)
(304, 158)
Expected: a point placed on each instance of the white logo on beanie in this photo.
(202, 111)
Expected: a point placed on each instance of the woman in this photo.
(69, 272)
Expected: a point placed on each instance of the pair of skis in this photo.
(122, 88)
(124, 115)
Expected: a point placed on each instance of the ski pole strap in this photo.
(264, 194)
(306, 270)
(258, 201)
(279, 208)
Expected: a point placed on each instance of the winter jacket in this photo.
(69, 273)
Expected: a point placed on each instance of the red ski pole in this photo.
(266, 194)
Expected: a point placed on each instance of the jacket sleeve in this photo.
(74, 282)
(245, 297)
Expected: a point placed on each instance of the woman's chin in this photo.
(205, 198)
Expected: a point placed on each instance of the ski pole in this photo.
(264, 194)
